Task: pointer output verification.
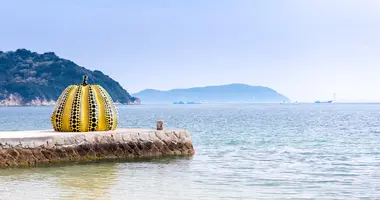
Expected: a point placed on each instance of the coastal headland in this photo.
(40, 147)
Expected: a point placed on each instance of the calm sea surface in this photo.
(243, 151)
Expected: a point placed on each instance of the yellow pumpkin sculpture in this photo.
(83, 108)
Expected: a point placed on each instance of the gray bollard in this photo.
(160, 124)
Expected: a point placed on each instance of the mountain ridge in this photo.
(234, 92)
(29, 78)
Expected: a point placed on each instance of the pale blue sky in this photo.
(305, 49)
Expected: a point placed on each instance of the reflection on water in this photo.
(94, 181)
(85, 181)
(91, 182)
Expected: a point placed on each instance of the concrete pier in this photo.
(31, 148)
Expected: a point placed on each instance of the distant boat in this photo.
(192, 102)
(284, 102)
(331, 101)
(189, 102)
(323, 101)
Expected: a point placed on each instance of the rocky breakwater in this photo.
(33, 148)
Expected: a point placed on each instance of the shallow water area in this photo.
(243, 151)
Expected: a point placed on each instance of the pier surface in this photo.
(31, 148)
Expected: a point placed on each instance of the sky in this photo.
(304, 49)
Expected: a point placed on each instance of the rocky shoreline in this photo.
(16, 100)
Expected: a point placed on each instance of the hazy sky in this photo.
(305, 49)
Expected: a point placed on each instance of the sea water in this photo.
(243, 151)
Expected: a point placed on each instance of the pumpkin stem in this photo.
(84, 80)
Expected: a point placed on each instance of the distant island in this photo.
(31, 79)
(236, 93)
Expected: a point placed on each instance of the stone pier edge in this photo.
(122, 144)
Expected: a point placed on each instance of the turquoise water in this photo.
(243, 151)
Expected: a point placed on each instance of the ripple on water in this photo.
(248, 151)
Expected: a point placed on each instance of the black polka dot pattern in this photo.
(57, 117)
(109, 109)
(113, 108)
(75, 124)
(93, 109)
(72, 98)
